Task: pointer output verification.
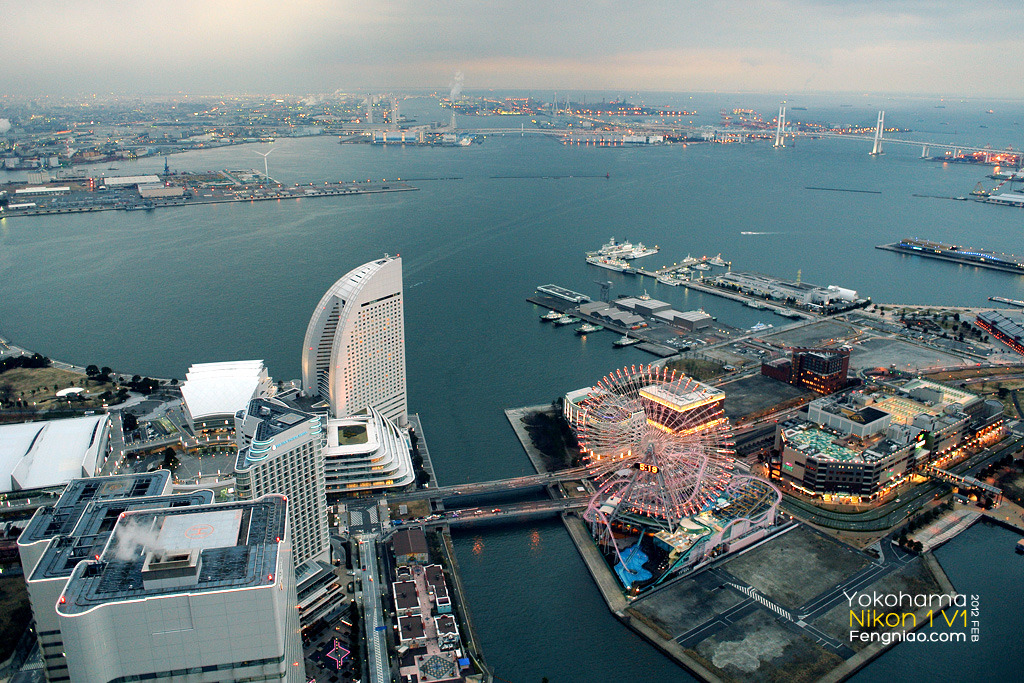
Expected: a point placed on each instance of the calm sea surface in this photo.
(154, 292)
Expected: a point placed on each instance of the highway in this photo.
(117, 445)
(374, 623)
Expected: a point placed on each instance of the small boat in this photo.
(550, 316)
(718, 261)
(702, 266)
(759, 327)
(566, 320)
(586, 328)
(625, 340)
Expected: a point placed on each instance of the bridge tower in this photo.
(924, 152)
(780, 128)
(877, 148)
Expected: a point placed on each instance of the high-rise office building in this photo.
(198, 594)
(354, 351)
(280, 450)
(77, 528)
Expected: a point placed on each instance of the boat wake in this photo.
(745, 232)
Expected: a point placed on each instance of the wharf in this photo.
(515, 418)
(1004, 300)
(201, 196)
(1007, 514)
(561, 306)
(699, 286)
(784, 311)
(968, 256)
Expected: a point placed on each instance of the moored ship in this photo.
(610, 263)
(624, 250)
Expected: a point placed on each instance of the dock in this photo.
(82, 200)
(969, 256)
(1011, 302)
(564, 306)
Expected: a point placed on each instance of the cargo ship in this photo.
(958, 254)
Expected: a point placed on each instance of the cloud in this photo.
(236, 46)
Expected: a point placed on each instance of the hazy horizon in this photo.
(843, 47)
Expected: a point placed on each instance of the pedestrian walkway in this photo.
(751, 592)
(946, 527)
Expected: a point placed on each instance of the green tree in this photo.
(91, 370)
(170, 462)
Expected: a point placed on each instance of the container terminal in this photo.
(982, 258)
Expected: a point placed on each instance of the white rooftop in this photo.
(681, 394)
(131, 180)
(41, 454)
(199, 531)
(223, 388)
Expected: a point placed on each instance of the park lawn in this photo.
(700, 370)
(42, 380)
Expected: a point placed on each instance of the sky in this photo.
(939, 47)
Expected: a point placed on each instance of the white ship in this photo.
(760, 327)
(624, 250)
(672, 280)
(717, 261)
(610, 263)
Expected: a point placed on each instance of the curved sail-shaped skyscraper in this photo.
(354, 351)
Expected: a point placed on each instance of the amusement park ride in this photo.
(670, 496)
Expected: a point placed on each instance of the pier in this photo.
(190, 193)
(1004, 300)
(982, 258)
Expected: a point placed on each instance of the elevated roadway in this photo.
(512, 512)
(374, 621)
(496, 486)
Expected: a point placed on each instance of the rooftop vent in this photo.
(171, 569)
